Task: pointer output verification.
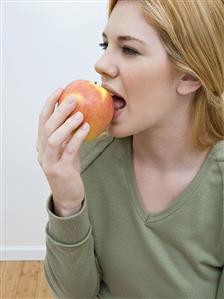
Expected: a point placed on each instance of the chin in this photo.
(117, 132)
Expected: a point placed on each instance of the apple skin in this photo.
(94, 101)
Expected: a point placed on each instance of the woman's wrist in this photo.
(66, 210)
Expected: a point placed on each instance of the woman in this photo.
(138, 213)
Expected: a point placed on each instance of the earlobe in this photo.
(188, 84)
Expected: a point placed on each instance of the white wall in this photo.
(45, 44)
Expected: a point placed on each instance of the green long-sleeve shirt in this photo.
(114, 249)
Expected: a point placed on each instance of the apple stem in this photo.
(95, 82)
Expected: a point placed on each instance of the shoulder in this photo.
(217, 155)
(90, 150)
(218, 151)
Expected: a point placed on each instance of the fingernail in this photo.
(85, 126)
(57, 92)
(78, 115)
(70, 99)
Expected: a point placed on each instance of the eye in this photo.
(126, 50)
(129, 51)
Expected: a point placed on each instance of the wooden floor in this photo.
(24, 280)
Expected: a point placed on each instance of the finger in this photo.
(46, 112)
(60, 115)
(56, 120)
(49, 106)
(61, 136)
(73, 145)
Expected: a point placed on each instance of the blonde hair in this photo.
(192, 33)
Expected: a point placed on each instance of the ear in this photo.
(188, 84)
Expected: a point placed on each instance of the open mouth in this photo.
(119, 102)
(119, 106)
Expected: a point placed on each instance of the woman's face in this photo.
(139, 71)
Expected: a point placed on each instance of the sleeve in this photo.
(220, 293)
(70, 265)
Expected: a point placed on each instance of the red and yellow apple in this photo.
(94, 101)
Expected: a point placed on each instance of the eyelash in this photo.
(126, 50)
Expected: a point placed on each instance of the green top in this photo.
(113, 248)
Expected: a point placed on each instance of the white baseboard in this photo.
(22, 253)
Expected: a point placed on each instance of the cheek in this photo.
(153, 84)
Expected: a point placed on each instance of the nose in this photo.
(106, 67)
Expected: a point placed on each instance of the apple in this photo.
(94, 101)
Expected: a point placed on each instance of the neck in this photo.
(167, 149)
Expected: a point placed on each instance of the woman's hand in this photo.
(58, 152)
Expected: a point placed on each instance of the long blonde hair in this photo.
(192, 33)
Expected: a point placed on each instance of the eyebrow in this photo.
(126, 38)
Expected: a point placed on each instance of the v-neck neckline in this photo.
(173, 206)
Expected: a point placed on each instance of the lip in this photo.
(111, 90)
(117, 113)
